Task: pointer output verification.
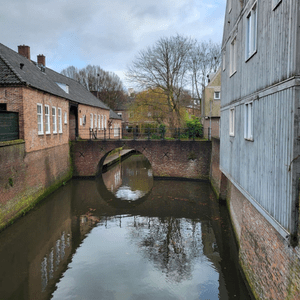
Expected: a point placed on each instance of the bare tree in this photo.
(205, 58)
(107, 86)
(164, 66)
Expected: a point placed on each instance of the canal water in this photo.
(123, 236)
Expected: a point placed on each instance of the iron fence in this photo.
(135, 133)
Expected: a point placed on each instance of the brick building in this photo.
(51, 110)
(52, 107)
(212, 104)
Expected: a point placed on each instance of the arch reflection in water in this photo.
(130, 179)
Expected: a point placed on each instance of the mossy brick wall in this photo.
(24, 177)
(187, 159)
(270, 263)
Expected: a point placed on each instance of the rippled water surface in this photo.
(123, 236)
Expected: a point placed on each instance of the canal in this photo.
(123, 236)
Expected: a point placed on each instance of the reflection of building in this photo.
(33, 258)
(212, 103)
(112, 178)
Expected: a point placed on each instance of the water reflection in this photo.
(131, 179)
(175, 243)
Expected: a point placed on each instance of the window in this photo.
(217, 96)
(102, 125)
(54, 125)
(99, 123)
(47, 119)
(40, 118)
(233, 56)
(91, 122)
(59, 120)
(275, 3)
(66, 120)
(231, 121)
(251, 34)
(105, 122)
(116, 130)
(224, 61)
(83, 119)
(95, 125)
(248, 130)
(63, 86)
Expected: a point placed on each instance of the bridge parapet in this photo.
(185, 159)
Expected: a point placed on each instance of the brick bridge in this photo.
(186, 159)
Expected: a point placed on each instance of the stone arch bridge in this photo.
(185, 159)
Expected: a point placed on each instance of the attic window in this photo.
(63, 86)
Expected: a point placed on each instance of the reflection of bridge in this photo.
(188, 159)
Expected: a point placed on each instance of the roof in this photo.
(113, 115)
(16, 69)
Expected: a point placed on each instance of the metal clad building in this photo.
(260, 106)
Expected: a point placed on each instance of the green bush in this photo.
(194, 128)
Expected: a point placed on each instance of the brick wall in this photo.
(84, 129)
(33, 140)
(215, 125)
(26, 176)
(168, 158)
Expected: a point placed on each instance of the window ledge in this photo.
(250, 56)
(249, 140)
(232, 73)
(40, 133)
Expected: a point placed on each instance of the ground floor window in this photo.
(248, 128)
(40, 118)
(54, 125)
(231, 121)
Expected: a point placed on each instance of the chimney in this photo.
(41, 60)
(24, 50)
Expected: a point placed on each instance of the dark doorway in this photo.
(73, 122)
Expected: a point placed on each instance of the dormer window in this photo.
(63, 86)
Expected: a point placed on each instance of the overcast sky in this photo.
(108, 33)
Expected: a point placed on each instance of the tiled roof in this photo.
(16, 69)
(113, 115)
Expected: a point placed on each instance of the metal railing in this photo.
(134, 133)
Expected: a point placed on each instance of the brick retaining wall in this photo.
(24, 177)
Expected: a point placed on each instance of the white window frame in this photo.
(47, 120)
(248, 117)
(233, 55)
(95, 121)
(54, 123)
(66, 118)
(275, 3)
(102, 122)
(40, 118)
(251, 32)
(99, 123)
(231, 121)
(59, 120)
(219, 97)
(91, 121)
(224, 61)
(105, 123)
(116, 130)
